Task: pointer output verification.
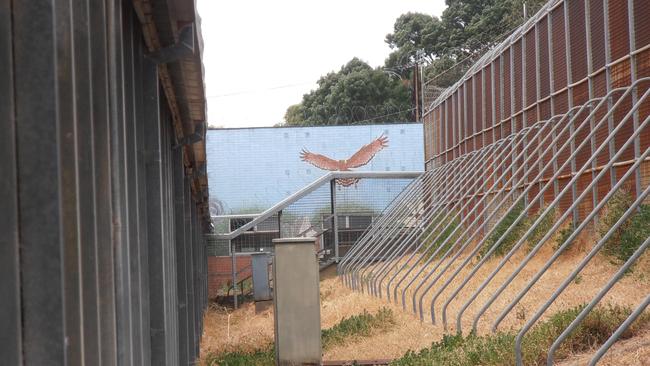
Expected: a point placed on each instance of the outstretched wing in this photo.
(319, 160)
(365, 154)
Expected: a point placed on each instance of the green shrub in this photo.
(498, 349)
(542, 228)
(614, 210)
(637, 231)
(513, 237)
(564, 234)
(444, 231)
(629, 236)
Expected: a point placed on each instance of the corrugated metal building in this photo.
(103, 193)
(565, 55)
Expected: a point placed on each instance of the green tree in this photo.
(294, 114)
(413, 32)
(452, 43)
(357, 93)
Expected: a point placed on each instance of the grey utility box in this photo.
(296, 302)
(261, 284)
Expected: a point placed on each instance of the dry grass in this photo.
(248, 331)
(629, 352)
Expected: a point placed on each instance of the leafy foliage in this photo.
(542, 228)
(636, 233)
(433, 240)
(502, 227)
(355, 94)
(564, 234)
(265, 357)
(465, 30)
(629, 236)
(450, 44)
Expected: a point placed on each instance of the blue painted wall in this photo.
(253, 168)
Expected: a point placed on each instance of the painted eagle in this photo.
(358, 159)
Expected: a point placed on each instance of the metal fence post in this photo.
(234, 274)
(335, 219)
(10, 339)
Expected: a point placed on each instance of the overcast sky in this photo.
(262, 56)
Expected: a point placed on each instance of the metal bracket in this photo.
(184, 47)
(199, 132)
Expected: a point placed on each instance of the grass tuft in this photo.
(261, 357)
(348, 329)
(357, 326)
(498, 349)
(637, 231)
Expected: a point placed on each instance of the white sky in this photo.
(261, 56)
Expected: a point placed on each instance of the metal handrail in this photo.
(325, 179)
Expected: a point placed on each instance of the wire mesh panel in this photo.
(569, 149)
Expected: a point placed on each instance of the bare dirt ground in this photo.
(245, 331)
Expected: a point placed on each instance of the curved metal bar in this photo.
(622, 328)
(483, 199)
(476, 182)
(565, 215)
(475, 221)
(369, 234)
(531, 321)
(393, 230)
(452, 234)
(514, 203)
(393, 251)
(565, 244)
(351, 256)
(632, 209)
(458, 188)
(478, 247)
(372, 250)
(541, 217)
(468, 228)
(385, 215)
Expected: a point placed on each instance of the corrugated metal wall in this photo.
(571, 52)
(102, 257)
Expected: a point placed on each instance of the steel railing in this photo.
(437, 241)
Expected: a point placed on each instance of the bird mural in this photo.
(358, 159)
